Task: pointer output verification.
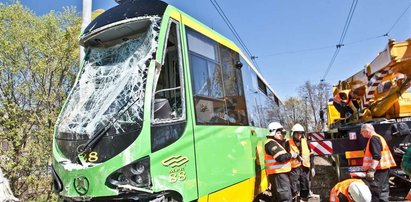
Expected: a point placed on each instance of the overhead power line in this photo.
(342, 37)
(347, 22)
(298, 51)
(320, 48)
(234, 31)
(398, 19)
(340, 44)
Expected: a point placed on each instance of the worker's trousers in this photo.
(343, 109)
(300, 181)
(280, 187)
(379, 188)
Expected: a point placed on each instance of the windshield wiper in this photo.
(86, 147)
(94, 139)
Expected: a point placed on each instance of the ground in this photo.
(326, 178)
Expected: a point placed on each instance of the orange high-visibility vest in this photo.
(272, 166)
(305, 153)
(386, 161)
(342, 187)
(337, 98)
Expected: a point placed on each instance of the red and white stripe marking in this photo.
(358, 175)
(317, 136)
(321, 147)
(372, 86)
(408, 195)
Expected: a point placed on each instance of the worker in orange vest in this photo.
(302, 165)
(346, 103)
(277, 163)
(377, 161)
(350, 190)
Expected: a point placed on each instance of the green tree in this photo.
(38, 63)
(305, 109)
(294, 112)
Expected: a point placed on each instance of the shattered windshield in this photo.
(110, 87)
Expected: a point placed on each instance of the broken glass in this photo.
(111, 86)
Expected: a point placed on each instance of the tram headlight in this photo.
(138, 169)
(134, 174)
(139, 179)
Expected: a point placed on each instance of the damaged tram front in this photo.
(138, 126)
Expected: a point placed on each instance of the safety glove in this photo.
(294, 155)
(312, 172)
(370, 174)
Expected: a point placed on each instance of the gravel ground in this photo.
(326, 178)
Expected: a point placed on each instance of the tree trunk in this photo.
(5, 192)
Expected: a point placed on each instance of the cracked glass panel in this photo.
(111, 86)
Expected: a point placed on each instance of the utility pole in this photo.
(306, 111)
(86, 19)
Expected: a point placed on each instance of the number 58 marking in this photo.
(178, 176)
(92, 157)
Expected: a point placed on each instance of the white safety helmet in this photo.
(359, 191)
(297, 128)
(273, 127)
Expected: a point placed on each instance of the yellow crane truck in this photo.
(383, 98)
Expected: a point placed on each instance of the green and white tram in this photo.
(163, 109)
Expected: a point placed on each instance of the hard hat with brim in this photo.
(359, 192)
(273, 127)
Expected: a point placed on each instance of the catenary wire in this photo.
(342, 37)
(345, 44)
(348, 21)
(234, 31)
(298, 51)
(398, 19)
(230, 25)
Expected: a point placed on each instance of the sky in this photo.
(293, 40)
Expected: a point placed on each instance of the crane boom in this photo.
(382, 86)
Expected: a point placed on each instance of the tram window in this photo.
(250, 93)
(200, 84)
(276, 100)
(262, 86)
(201, 45)
(207, 80)
(233, 87)
(168, 102)
(217, 83)
(269, 109)
(273, 97)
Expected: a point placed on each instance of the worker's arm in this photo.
(287, 146)
(311, 155)
(375, 149)
(374, 164)
(353, 107)
(312, 165)
(283, 157)
(279, 154)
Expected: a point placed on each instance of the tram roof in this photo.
(127, 9)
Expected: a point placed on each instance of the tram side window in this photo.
(206, 79)
(270, 108)
(233, 86)
(262, 86)
(217, 85)
(168, 97)
(274, 99)
(251, 94)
